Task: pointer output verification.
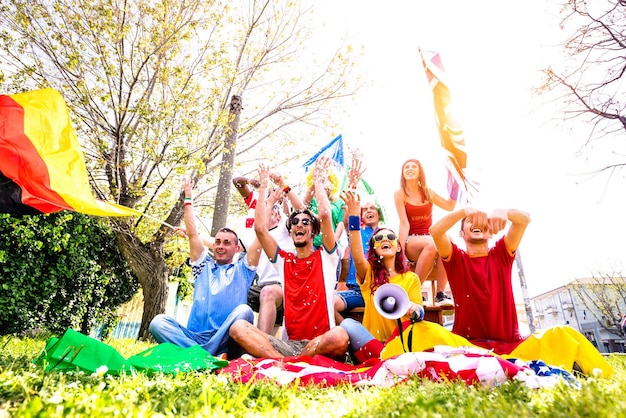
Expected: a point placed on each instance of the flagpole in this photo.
(522, 280)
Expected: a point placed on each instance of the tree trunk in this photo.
(154, 300)
(148, 264)
(222, 196)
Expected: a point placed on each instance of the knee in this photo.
(244, 312)
(349, 325)
(429, 250)
(157, 323)
(338, 337)
(271, 294)
(339, 303)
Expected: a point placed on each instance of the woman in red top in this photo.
(414, 203)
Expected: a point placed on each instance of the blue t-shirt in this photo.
(366, 235)
(218, 290)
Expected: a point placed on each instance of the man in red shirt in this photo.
(481, 283)
(309, 280)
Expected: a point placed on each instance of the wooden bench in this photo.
(432, 312)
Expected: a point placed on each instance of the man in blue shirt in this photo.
(220, 288)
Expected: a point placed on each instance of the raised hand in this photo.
(355, 173)
(353, 203)
(477, 219)
(497, 221)
(264, 172)
(188, 186)
(320, 169)
(277, 179)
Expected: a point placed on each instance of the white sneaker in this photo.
(443, 300)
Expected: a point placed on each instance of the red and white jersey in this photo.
(309, 286)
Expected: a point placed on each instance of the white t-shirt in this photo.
(266, 270)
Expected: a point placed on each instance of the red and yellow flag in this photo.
(42, 168)
(460, 187)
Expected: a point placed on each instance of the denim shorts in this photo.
(352, 298)
(288, 347)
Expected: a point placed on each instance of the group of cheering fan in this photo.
(289, 274)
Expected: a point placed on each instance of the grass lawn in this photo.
(25, 391)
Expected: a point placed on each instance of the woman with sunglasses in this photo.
(414, 203)
(385, 263)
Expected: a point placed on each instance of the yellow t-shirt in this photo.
(382, 328)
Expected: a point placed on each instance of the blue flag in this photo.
(333, 150)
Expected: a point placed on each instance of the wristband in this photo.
(188, 199)
(354, 223)
(188, 204)
(418, 317)
(286, 189)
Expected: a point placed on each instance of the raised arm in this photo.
(519, 222)
(196, 246)
(266, 239)
(440, 228)
(294, 199)
(353, 209)
(243, 185)
(444, 203)
(403, 230)
(320, 176)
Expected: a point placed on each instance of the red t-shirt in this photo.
(420, 218)
(485, 310)
(308, 292)
(251, 203)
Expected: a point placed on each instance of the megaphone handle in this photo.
(410, 339)
(401, 334)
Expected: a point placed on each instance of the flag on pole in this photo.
(333, 150)
(460, 187)
(42, 168)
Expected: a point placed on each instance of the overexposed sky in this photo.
(492, 52)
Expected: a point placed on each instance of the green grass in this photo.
(25, 391)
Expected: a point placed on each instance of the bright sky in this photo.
(492, 51)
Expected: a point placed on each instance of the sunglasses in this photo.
(305, 221)
(390, 236)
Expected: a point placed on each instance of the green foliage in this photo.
(148, 87)
(58, 271)
(25, 390)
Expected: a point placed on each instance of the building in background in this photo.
(593, 306)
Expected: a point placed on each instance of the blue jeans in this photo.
(358, 334)
(352, 298)
(165, 329)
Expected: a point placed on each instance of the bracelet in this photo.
(188, 204)
(286, 189)
(188, 199)
(354, 223)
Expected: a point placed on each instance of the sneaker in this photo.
(443, 300)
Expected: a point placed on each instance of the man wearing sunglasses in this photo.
(309, 278)
(266, 293)
(480, 279)
(220, 288)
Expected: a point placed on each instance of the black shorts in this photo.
(254, 300)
